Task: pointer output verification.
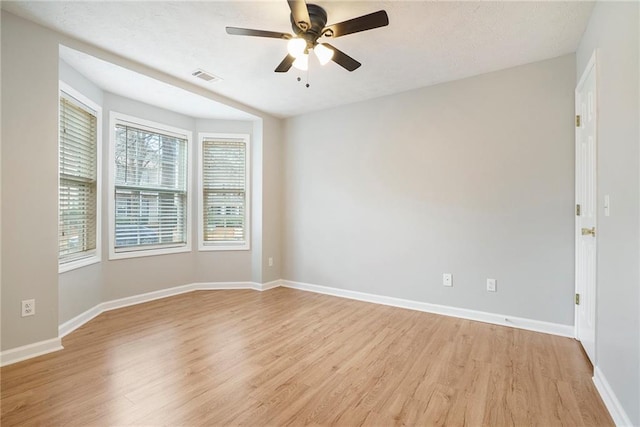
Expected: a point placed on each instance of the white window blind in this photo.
(150, 188)
(77, 190)
(224, 184)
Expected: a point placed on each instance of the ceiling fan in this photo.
(308, 23)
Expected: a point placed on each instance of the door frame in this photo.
(591, 65)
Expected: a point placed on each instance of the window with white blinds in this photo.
(78, 234)
(150, 186)
(224, 184)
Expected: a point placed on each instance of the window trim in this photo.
(88, 105)
(120, 118)
(246, 245)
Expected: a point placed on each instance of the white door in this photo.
(586, 209)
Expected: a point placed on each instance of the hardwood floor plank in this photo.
(467, 407)
(287, 357)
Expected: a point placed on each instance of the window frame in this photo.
(224, 246)
(116, 118)
(82, 101)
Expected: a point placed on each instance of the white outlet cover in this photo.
(491, 285)
(447, 279)
(28, 307)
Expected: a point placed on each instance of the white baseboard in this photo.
(146, 297)
(481, 316)
(620, 417)
(37, 349)
(236, 285)
(224, 286)
(25, 352)
(69, 326)
(73, 324)
(270, 285)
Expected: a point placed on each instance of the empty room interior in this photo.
(320, 212)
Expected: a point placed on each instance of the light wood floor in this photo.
(291, 357)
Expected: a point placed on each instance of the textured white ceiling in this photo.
(425, 43)
(122, 81)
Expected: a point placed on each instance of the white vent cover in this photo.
(201, 74)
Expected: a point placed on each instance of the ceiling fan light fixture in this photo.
(296, 47)
(308, 22)
(302, 62)
(323, 53)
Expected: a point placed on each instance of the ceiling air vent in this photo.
(201, 74)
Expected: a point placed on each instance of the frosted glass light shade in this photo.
(323, 53)
(296, 47)
(302, 62)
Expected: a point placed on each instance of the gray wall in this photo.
(473, 178)
(80, 289)
(614, 30)
(272, 199)
(29, 204)
(1, 136)
(29, 182)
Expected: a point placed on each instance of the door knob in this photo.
(589, 231)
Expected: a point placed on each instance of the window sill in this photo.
(223, 247)
(78, 263)
(113, 255)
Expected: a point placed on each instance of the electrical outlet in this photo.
(491, 285)
(447, 279)
(28, 307)
(270, 261)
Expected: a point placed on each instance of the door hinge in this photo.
(577, 210)
(589, 231)
(577, 299)
(578, 121)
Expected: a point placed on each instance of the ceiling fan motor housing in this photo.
(318, 17)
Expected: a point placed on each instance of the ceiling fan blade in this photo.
(257, 33)
(286, 63)
(362, 23)
(342, 59)
(300, 13)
